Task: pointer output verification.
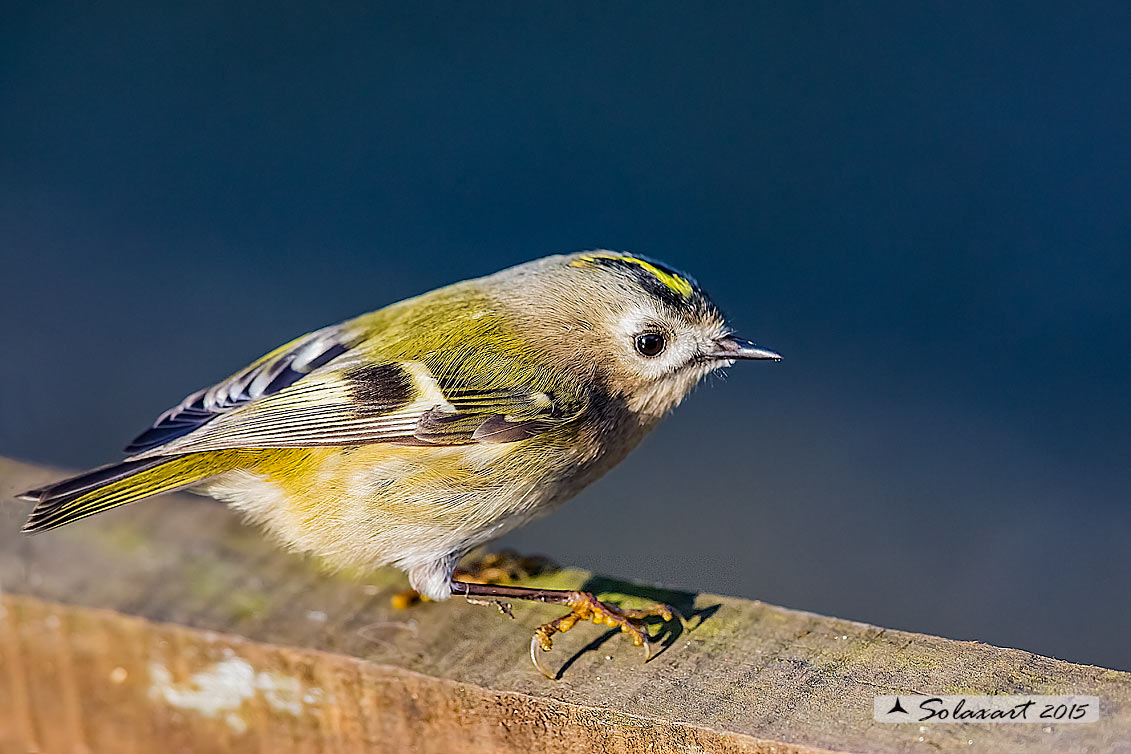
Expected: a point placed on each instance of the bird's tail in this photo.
(117, 484)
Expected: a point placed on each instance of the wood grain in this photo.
(169, 626)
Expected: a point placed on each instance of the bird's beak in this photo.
(732, 347)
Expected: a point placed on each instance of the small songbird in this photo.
(412, 434)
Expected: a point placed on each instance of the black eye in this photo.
(650, 344)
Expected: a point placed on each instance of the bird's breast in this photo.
(382, 503)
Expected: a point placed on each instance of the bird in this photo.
(410, 435)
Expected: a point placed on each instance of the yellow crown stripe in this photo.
(675, 282)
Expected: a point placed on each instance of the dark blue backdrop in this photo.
(923, 206)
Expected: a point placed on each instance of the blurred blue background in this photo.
(924, 207)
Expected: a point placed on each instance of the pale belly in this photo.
(417, 508)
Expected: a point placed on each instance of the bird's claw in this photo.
(587, 607)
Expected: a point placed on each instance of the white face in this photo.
(665, 353)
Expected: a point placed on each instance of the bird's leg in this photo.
(583, 607)
(503, 567)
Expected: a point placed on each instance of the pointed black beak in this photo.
(735, 348)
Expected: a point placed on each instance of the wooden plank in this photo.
(169, 624)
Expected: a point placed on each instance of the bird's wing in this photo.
(269, 375)
(319, 391)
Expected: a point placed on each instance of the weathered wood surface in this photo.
(169, 626)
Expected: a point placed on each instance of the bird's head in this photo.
(649, 332)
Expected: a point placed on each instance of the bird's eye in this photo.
(650, 344)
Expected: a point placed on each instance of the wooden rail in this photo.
(169, 626)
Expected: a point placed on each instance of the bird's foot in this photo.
(586, 607)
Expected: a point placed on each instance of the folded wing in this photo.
(267, 376)
(321, 391)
